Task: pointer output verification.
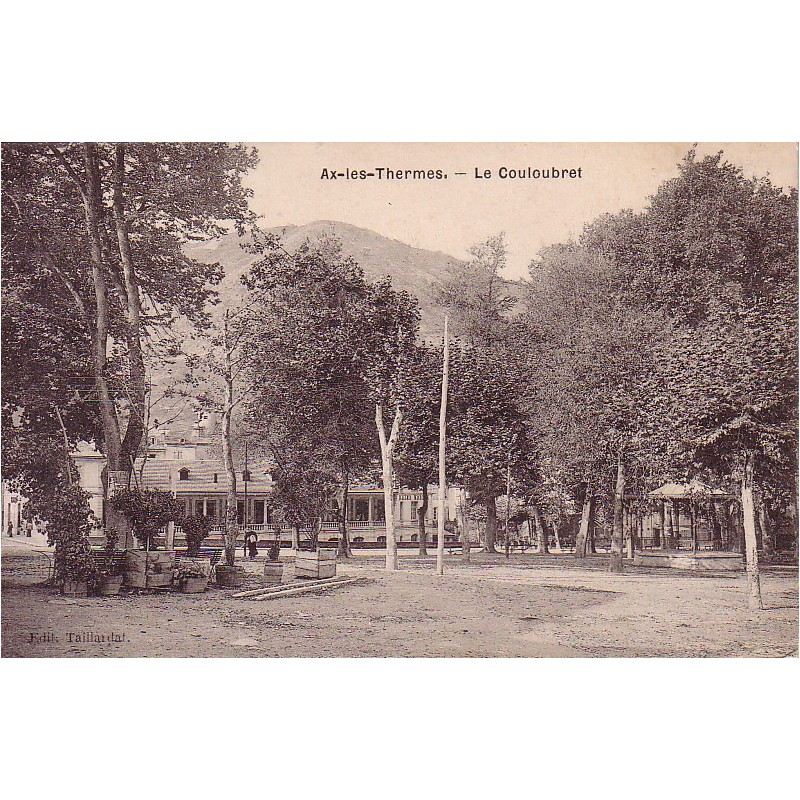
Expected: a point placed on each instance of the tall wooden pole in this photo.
(442, 440)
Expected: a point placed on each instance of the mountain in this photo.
(410, 268)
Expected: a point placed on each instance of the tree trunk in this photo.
(134, 432)
(343, 550)
(295, 538)
(112, 442)
(465, 544)
(751, 546)
(421, 513)
(716, 527)
(491, 524)
(615, 562)
(231, 500)
(314, 532)
(556, 534)
(675, 517)
(541, 530)
(587, 521)
(387, 454)
(736, 544)
(441, 495)
(670, 531)
(767, 534)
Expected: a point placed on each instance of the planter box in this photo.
(75, 588)
(194, 585)
(273, 573)
(190, 584)
(321, 564)
(149, 569)
(110, 586)
(230, 577)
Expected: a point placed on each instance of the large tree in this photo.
(589, 360)
(99, 228)
(487, 432)
(716, 253)
(416, 460)
(486, 429)
(326, 363)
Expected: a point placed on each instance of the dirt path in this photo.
(492, 608)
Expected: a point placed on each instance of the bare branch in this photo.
(71, 172)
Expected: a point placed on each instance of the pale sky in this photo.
(450, 215)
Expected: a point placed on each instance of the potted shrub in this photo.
(76, 569)
(192, 574)
(273, 568)
(67, 505)
(148, 511)
(109, 578)
(193, 566)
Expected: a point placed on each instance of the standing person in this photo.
(252, 542)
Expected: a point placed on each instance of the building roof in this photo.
(163, 474)
(684, 490)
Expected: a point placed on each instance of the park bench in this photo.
(102, 560)
(214, 554)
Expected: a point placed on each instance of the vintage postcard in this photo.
(399, 400)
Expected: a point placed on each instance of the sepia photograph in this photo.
(413, 400)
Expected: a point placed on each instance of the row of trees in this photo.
(663, 346)
(660, 345)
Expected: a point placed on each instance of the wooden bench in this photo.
(103, 560)
(214, 554)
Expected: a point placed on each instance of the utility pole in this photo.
(442, 441)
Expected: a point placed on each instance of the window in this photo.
(216, 478)
(198, 507)
(183, 474)
(258, 512)
(247, 475)
(414, 507)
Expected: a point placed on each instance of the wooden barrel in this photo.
(135, 570)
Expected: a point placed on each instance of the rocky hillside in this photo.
(410, 268)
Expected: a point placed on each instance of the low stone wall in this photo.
(710, 562)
